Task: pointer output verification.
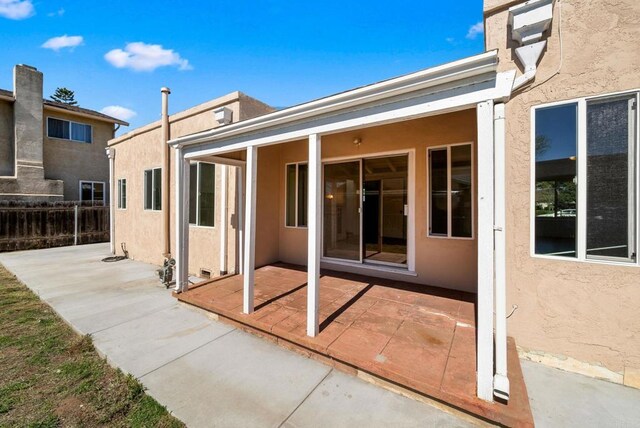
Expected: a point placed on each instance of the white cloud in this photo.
(119, 112)
(16, 9)
(474, 30)
(450, 40)
(60, 42)
(140, 56)
(59, 12)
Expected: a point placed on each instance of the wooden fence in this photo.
(31, 225)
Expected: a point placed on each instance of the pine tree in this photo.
(64, 95)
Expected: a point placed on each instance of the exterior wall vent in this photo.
(223, 115)
(205, 273)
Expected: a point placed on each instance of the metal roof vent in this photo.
(529, 21)
(223, 115)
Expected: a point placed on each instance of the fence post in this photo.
(75, 224)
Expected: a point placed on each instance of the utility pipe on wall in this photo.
(166, 213)
(500, 379)
(111, 154)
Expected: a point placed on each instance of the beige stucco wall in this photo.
(586, 311)
(441, 262)
(89, 162)
(142, 230)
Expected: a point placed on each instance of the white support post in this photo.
(485, 251)
(182, 222)
(224, 223)
(250, 229)
(500, 380)
(314, 239)
(111, 154)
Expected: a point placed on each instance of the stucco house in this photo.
(510, 176)
(142, 168)
(51, 151)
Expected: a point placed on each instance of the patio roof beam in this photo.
(454, 71)
(314, 239)
(250, 230)
(455, 96)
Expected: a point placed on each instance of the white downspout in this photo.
(223, 219)
(500, 379)
(111, 154)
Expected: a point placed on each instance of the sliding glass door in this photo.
(365, 210)
(342, 210)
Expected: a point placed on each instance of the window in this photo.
(64, 129)
(586, 157)
(153, 189)
(122, 194)
(296, 195)
(92, 191)
(451, 191)
(202, 183)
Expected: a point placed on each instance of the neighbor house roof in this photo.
(80, 111)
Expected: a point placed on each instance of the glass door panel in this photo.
(342, 210)
(385, 209)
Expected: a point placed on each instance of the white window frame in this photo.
(286, 194)
(69, 122)
(449, 212)
(144, 189)
(215, 196)
(93, 183)
(120, 205)
(581, 151)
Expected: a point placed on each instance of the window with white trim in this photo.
(202, 196)
(67, 130)
(451, 191)
(586, 179)
(296, 189)
(122, 193)
(92, 191)
(153, 189)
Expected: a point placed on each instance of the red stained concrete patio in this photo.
(421, 338)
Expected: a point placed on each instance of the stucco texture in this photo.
(586, 311)
(449, 263)
(142, 230)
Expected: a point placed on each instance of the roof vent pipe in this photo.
(165, 173)
(529, 21)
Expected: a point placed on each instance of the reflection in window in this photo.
(296, 195)
(556, 181)
(451, 191)
(202, 194)
(610, 178)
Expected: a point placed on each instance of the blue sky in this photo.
(282, 53)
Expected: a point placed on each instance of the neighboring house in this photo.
(512, 174)
(50, 151)
(144, 206)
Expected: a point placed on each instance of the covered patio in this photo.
(421, 339)
(446, 120)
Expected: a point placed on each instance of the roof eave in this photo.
(105, 118)
(446, 73)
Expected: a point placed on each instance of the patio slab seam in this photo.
(306, 398)
(186, 353)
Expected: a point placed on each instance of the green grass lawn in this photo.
(50, 376)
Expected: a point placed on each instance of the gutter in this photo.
(467, 67)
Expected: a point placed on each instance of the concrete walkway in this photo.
(207, 373)
(210, 374)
